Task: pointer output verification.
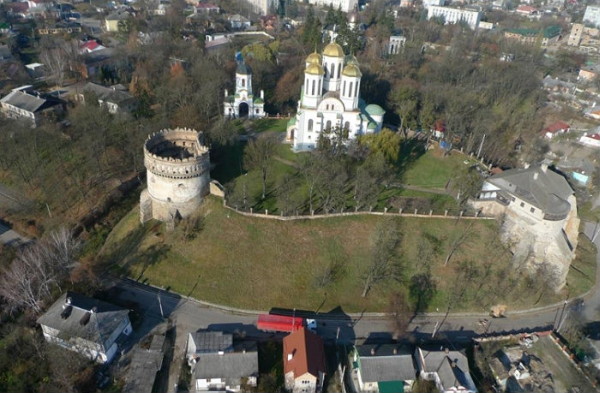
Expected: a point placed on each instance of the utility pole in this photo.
(435, 330)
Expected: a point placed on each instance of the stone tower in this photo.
(178, 176)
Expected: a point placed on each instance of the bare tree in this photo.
(37, 270)
(385, 261)
(400, 313)
(259, 155)
(459, 238)
(58, 57)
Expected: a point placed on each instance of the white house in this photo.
(592, 140)
(330, 102)
(219, 364)
(449, 370)
(238, 22)
(539, 213)
(455, 15)
(85, 325)
(303, 362)
(556, 128)
(243, 103)
(29, 105)
(384, 368)
(115, 98)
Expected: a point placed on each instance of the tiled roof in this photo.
(307, 353)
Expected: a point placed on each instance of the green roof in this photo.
(371, 125)
(548, 32)
(391, 386)
(258, 101)
(374, 110)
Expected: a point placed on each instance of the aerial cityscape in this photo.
(319, 196)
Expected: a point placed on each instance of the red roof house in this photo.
(303, 361)
(90, 46)
(559, 127)
(526, 10)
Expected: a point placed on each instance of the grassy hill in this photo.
(258, 263)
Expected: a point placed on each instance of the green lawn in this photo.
(582, 273)
(258, 263)
(269, 125)
(433, 170)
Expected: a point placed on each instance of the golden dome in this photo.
(314, 69)
(333, 50)
(352, 70)
(314, 58)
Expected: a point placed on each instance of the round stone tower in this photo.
(178, 177)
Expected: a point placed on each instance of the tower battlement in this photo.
(176, 154)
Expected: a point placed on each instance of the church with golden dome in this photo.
(330, 101)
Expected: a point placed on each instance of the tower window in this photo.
(313, 87)
(310, 125)
(339, 70)
(350, 89)
(344, 89)
(356, 90)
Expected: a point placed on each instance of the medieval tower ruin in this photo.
(178, 176)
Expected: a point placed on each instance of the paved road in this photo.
(190, 315)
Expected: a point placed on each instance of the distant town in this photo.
(312, 197)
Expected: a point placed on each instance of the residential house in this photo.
(589, 73)
(344, 5)
(449, 370)
(218, 363)
(540, 222)
(544, 37)
(144, 365)
(593, 112)
(384, 368)
(510, 368)
(238, 22)
(527, 10)
(115, 98)
(116, 21)
(592, 140)
(206, 8)
(86, 325)
(439, 129)
(90, 46)
(303, 362)
(32, 106)
(556, 128)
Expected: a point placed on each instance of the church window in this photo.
(339, 70)
(320, 88)
(347, 125)
(328, 125)
(344, 89)
(310, 125)
(350, 89)
(356, 90)
(332, 70)
(313, 87)
(243, 82)
(325, 68)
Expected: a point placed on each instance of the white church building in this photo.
(330, 100)
(243, 103)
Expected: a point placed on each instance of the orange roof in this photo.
(555, 127)
(307, 353)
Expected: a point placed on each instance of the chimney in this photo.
(225, 92)
(221, 353)
(535, 175)
(93, 310)
(68, 300)
(544, 167)
(290, 356)
(395, 351)
(446, 350)
(262, 94)
(373, 351)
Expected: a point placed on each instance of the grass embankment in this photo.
(258, 263)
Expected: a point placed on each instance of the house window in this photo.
(532, 210)
(522, 204)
